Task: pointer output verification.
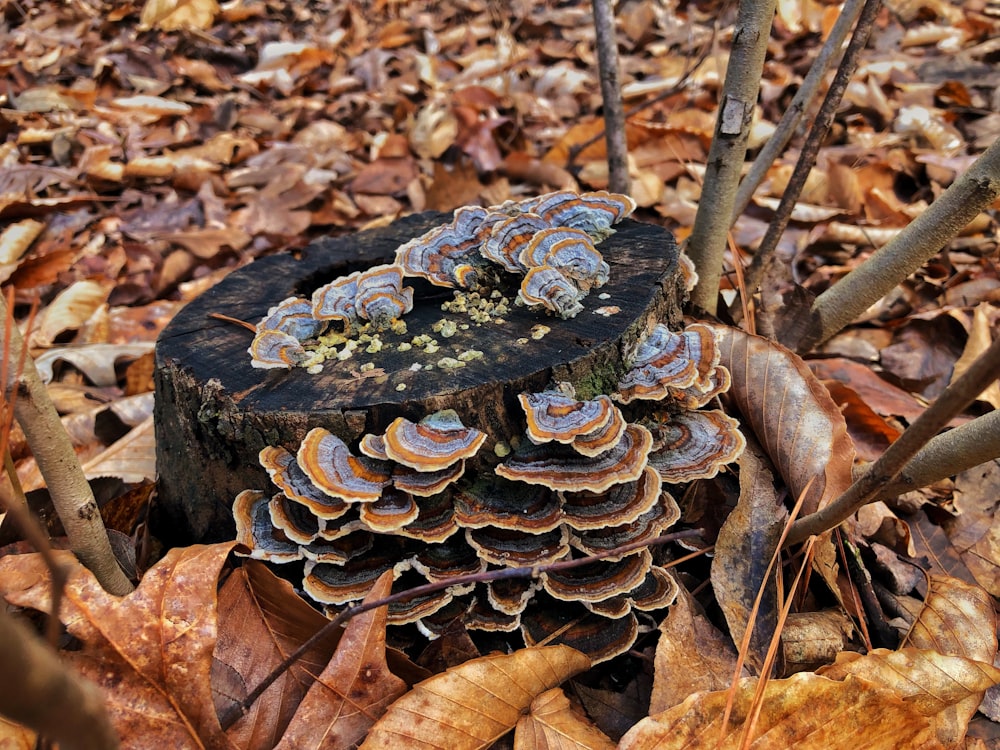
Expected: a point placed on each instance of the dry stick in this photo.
(729, 147)
(57, 703)
(919, 241)
(234, 712)
(948, 454)
(53, 451)
(611, 94)
(798, 106)
(810, 149)
(983, 371)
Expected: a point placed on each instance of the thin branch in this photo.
(956, 397)
(799, 105)
(919, 241)
(611, 94)
(729, 146)
(57, 462)
(228, 718)
(810, 149)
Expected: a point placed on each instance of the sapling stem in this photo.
(611, 94)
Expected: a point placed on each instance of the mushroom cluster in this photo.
(586, 477)
(548, 241)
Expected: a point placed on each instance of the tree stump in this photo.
(214, 412)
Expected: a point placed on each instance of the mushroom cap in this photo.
(412, 609)
(620, 504)
(293, 316)
(689, 273)
(492, 501)
(592, 212)
(329, 464)
(446, 618)
(694, 444)
(509, 237)
(517, 548)
(482, 616)
(390, 512)
(256, 531)
(602, 439)
(548, 287)
(598, 580)
(340, 550)
(704, 390)
(294, 519)
(340, 584)
(373, 446)
(435, 254)
(434, 443)
(613, 608)
(511, 595)
(540, 246)
(645, 528)
(381, 297)
(439, 562)
(275, 349)
(570, 623)
(435, 520)
(561, 468)
(668, 361)
(336, 300)
(426, 483)
(552, 415)
(288, 476)
(658, 590)
(579, 261)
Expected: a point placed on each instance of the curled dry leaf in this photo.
(151, 651)
(805, 712)
(552, 724)
(792, 415)
(957, 619)
(355, 687)
(928, 680)
(473, 704)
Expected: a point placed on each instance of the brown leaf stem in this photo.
(810, 149)
(228, 718)
(611, 93)
(956, 397)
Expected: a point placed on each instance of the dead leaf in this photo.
(151, 651)
(96, 361)
(552, 724)
(132, 458)
(170, 15)
(804, 711)
(14, 242)
(472, 705)
(354, 689)
(68, 311)
(980, 338)
(792, 415)
(745, 546)
(692, 655)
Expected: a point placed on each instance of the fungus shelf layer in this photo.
(214, 412)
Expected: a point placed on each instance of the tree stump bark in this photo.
(214, 412)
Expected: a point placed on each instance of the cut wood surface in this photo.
(214, 412)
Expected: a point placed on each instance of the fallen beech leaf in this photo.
(169, 15)
(472, 705)
(805, 712)
(745, 545)
(928, 680)
(980, 338)
(355, 687)
(96, 361)
(957, 619)
(132, 458)
(150, 652)
(68, 311)
(692, 656)
(14, 242)
(552, 724)
(791, 413)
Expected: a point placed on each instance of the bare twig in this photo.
(55, 701)
(611, 93)
(810, 149)
(234, 712)
(798, 106)
(729, 146)
(57, 462)
(983, 371)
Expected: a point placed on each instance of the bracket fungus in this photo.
(420, 497)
